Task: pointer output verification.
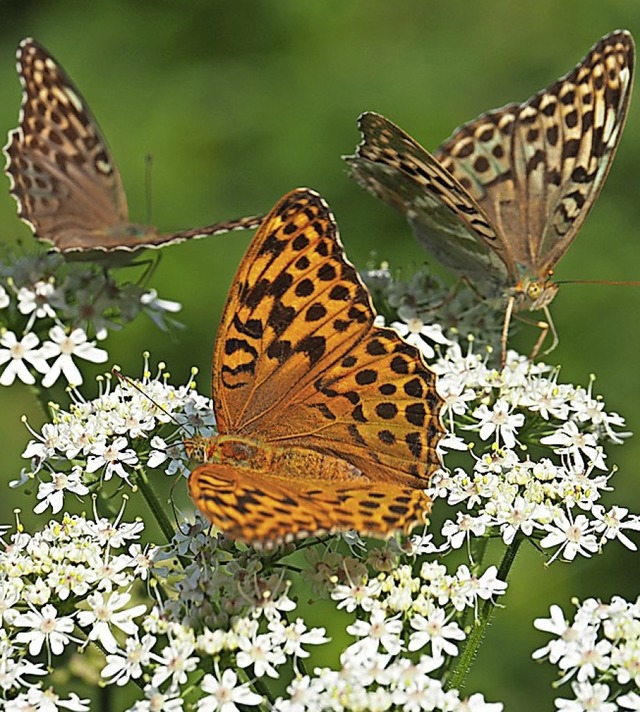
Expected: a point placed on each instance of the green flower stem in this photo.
(476, 636)
(259, 686)
(154, 504)
(479, 550)
(42, 399)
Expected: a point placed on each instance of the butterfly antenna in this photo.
(130, 382)
(615, 283)
(147, 185)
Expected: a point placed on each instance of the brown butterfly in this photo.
(327, 423)
(63, 178)
(503, 198)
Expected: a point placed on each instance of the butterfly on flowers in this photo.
(326, 422)
(503, 198)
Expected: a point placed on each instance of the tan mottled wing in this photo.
(444, 216)
(536, 168)
(271, 509)
(298, 361)
(62, 175)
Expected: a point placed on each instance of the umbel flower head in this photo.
(598, 651)
(201, 610)
(52, 312)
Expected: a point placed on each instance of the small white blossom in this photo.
(570, 440)
(379, 630)
(45, 627)
(498, 420)
(589, 698)
(262, 653)
(610, 524)
(64, 347)
(176, 663)
(157, 701)
(572, 537)
(52, 493)
(113, 456)
(104, 612)
(37, 301)
(15, 353)
(630, 701)
(434, 629)
(415, 332)
(224, 693)
(120, 668)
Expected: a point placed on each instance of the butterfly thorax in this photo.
(259, 457)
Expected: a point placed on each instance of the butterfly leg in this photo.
(550, 327)
(545, 327)
(505, 330)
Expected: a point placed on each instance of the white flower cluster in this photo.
(536, 466)
(599, 650)
(77, 581)
(406, 628)
(64, 586)
(220, 618)
(48, 309)
(113, 435)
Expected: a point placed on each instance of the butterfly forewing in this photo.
(298, 360)
(537, 168)
(523, 178)
(291, 282)
(62, 176)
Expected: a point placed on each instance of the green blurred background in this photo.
(238, 102)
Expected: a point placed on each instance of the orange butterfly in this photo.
(327, 423)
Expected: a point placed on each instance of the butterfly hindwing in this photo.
(273, 508)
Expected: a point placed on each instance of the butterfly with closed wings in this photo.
(501, 200)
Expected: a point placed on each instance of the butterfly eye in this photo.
(534, 290)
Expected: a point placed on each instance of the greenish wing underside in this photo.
(444, 217)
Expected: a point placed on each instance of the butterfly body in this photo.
(267, 458)
(503, 198)
(290, 492)
(63, 178)
(325, 422)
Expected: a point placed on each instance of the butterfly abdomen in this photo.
(289, 461)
